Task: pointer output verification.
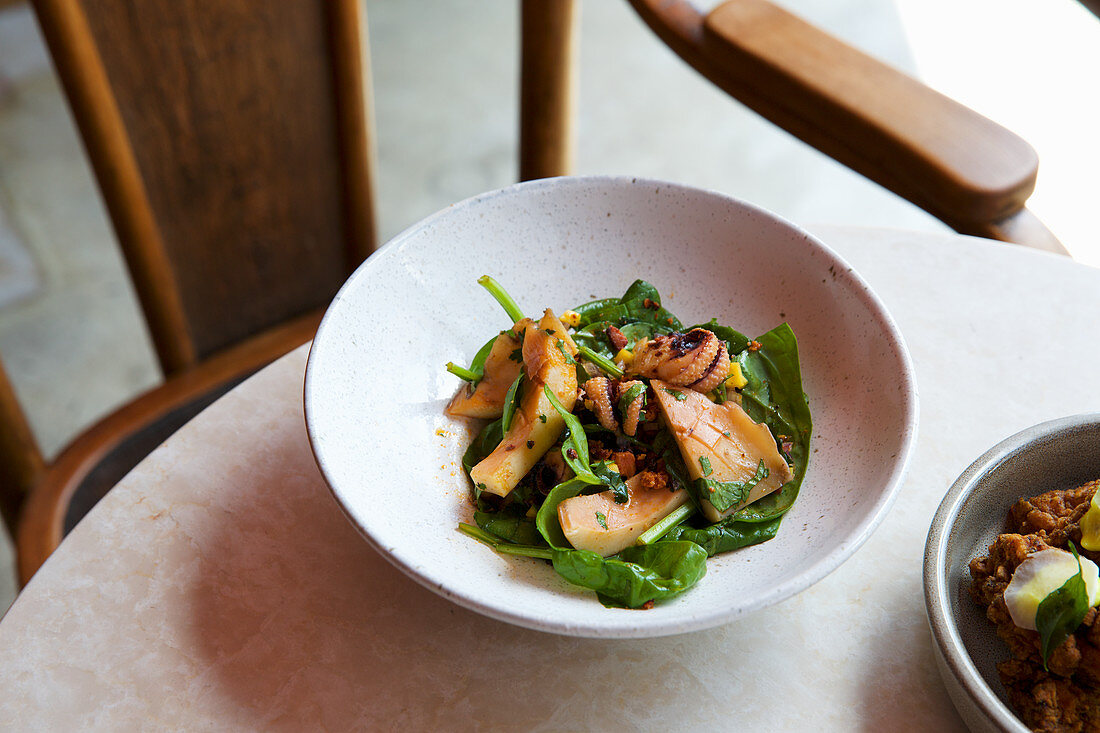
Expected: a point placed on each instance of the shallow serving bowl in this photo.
(1060, 454)
(376, 383)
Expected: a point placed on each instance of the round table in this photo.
(219, 586)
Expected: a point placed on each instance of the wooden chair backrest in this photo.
(230, 142)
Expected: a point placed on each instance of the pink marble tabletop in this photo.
(219, 586)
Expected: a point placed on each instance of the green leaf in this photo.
(474, 374)
(511, 400)
(627, 397)
(736, 342)
(511, 524)
(638, 574)
(574, 447)
(704, 464)
(613, 480)
(727, 494)
(482, 445)
(775, 397)
(601, 519)
(729, 534)
(547, 522)
(1061, 612)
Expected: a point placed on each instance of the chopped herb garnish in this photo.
(516, 355)
(601, 519)
(530, 444)
(561, 347)
(704, 463)
(542, 418)
(676, 394)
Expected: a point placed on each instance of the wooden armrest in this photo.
(951, 161)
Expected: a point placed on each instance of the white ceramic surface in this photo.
(1058, 454)
(376, 384)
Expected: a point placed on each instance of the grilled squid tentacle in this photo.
(598, 391)
(631, 405)
(697, 359)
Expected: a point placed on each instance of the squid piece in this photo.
(697, 359)
(603, 396)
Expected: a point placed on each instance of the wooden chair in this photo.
(229, 141)
(964, 169)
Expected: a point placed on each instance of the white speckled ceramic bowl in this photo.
(1059, 454)
(376, 383)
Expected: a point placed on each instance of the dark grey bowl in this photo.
(1059, 454)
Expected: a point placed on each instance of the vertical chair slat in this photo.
(548, 88)
(21, 462)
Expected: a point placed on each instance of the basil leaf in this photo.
(1061, 612)
(729, 534)
(727, 494)
(638, 574)
(511, 399)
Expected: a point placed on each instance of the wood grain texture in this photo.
(548, 88)
(355, 123)
(41, 527)
(92, 101)
(21, 462)
(232, 144)
(957, 165)
(230, 109)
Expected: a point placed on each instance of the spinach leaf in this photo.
(474, 374)
(1061, 612)
(511, 400)
(482, 445)
(574, 447)
(736, 342)
(546, 521)
(726, 494)
(589, 312)
(641, 303)
(774, 396)
(638, 574)
(510, 524)
(729, 534)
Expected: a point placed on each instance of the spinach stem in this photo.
(662, 527)
(600, 360)
(470, 530)
(462, 372)
(502, 297)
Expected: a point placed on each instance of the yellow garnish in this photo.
(625, 356)
(571, 319)
(736, 379)
(1090, 525)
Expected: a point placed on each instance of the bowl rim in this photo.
(936, 593)
(812, 574)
